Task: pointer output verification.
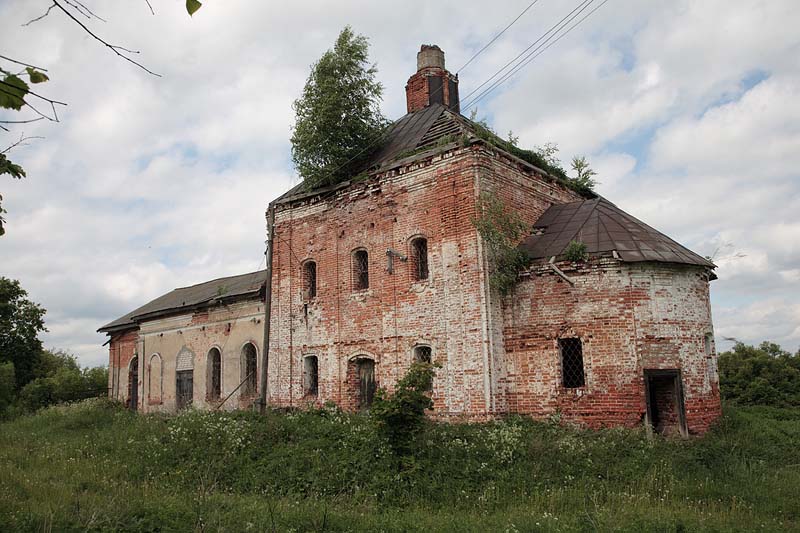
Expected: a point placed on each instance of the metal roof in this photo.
(604, 227)
(206, 293)
(414, 132)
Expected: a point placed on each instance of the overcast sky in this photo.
(689, 111)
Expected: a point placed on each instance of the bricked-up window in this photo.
(422, 354)
(572, 375)
(249, 369)
(310, 375)
(310, 279)
(360, 270)
(419, 258)
(214, 374)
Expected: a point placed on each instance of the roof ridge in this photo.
(218, 279)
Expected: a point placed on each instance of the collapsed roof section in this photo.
(195, 296)
(416, 135)
(604, 227)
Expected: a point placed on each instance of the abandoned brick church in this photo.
(373, 274)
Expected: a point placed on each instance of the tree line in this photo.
(32, 377)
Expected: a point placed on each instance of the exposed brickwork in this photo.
(498, 355)
(630, 318)
(432, 82)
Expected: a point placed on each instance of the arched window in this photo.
(214, 379)
(249, 369)
(133, 383)
(184, 378)
(310, 375)
(419, 258)
(360, 270)
(155, 379)
(309, 280)
(422, 354)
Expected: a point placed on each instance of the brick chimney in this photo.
(432, 84)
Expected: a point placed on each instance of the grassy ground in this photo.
(93, 466)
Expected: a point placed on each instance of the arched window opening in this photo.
(155, 379)
(310, 375)
(214, 374)
(249, 369)
(419, 258)
(133, 384)
(422, 354)
(309, 280)
(360, 270)
(184, 378)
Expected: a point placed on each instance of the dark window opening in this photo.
(133, 384)
(310, 279)
(435, 90)
(572, 363)
(419, 258)
(311, 375)
(215, 374)
(249, 370)
(422, 354)
(360, 270)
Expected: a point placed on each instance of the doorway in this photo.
(666, 414)
(184, 388)
(366, 383)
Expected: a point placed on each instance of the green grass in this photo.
(94, 466)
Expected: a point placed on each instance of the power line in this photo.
(525, 51)
(537, 52)
(487, 45)
(378, 137)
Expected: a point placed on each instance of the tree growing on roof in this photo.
(337, 118)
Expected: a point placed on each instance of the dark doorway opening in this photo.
(664, 395)
(133, 384)
(184, 388)
(366, 383)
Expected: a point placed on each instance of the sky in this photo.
(689, 111)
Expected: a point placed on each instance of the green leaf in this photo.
(36, 76)
(192, 6)
(7, 167)
(12, 92)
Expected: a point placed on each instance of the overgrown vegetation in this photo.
(501, 230)
(338, 115)
(94, 466)
(400, 416)
(30, 376)
(763, 375)
(575, 251)
(544, 157)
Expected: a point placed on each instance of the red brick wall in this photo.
(433, 199)
(418, 91)
(630, 317)
(121, 349)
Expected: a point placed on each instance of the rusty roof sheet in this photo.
(604, 227)
(188, 297)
